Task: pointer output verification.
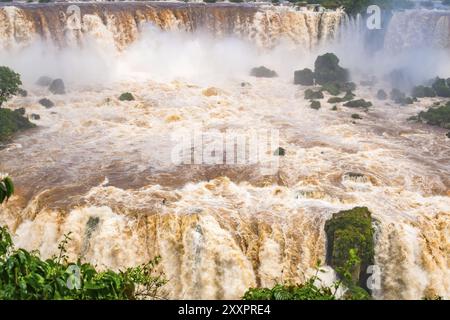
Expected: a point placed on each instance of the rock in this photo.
(448, 134)
(351, 230)
(20, 111)
(332, 88)
(315, 105)
(348, 96)
(46, 103)
(361, 103)
(334, 108)
(441, 87)
(211, 91)
(126, 96)
(23, 93)
(327, 69)
(279, 152)
(35, 116)
(356, 116)
(310, 94)
(57, 87)
(245, 84)
(304, 77)
(423, 92)
(334, 100)
(381, 95)
(263, 72)
(44, 81)
(12, 122)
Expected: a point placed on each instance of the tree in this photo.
(9, 84)
(6, 188)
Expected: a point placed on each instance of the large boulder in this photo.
(311, 94)
(57, 87)
(46, 103)
(327, 69)
(351, 230)
(263, 72)
(304, 77)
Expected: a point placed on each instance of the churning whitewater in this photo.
(103, 169)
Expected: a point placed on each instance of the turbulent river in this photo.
(222, 228)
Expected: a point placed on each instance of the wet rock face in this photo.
(347, 230)
(46, 103)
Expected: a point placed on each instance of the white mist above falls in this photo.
(221, 229)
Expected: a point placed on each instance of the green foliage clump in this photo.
(350, 238)
(311, 94)
(127, 96)
(6, 190)
(9, 84)
(441, 87)
(12, 122)
(25, 276)
(423, 92)
(439, 116)
(360, 103)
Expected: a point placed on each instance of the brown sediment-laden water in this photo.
(219, 227)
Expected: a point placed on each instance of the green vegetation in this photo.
(360, 103)
(441, 87)
(439, 116)
(126, 97)
(350, 238)
(9, 84)
(12, 122)
(311, 94)
(6, 191)
(422, 92)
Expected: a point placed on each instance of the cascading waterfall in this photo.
(222, 229)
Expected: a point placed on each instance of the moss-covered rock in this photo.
(315, 105)
(332, 88)
(441, 87)
(46, 103)
(12, 122)
(263, 72)
(311, 94)
(327, 70)
(126, 96)
(439, 116)
(334, 108)
(351, 230)
(334, 100)
(304, 77)
(279, 152)
(423, 92)
(360, 103)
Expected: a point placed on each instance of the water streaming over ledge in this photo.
(220, 229)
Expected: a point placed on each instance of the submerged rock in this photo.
(279, 152)
(210, 92)
(44, 81)
(351, 230)
(35, 116)
(57, 87)
(304, 77)
(263, 72)
(46, 103)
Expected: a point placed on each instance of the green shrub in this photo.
(25, 276)
(12, 122)
(439, 116)
(361, 103)
(9, 84)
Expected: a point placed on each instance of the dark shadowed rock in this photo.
(20, 111)
(327, 69)
(311, 94)
(23, 93)
(35, 116)
(57, 87)
(315, 105)
(46, 103)
(381, 95)
(44, 81)
(263, 72)
(279, 152)
(126, 96)
(361, 103)
(304, 77)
